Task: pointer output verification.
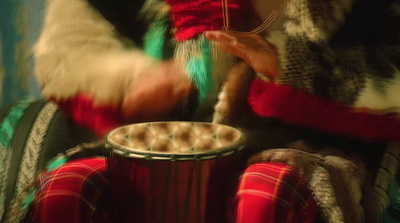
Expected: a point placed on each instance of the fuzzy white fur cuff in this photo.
(81, 52)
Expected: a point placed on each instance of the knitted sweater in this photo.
(345, 51)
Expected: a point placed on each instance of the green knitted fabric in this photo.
(154, 39)
(9, 123)
(200, 71)
(56, 163)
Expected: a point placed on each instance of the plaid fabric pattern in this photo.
(268, 192)
(74, 192)
(272, 192)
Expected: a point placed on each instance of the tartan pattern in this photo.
(74, 192)
(278, 191)
(268, 192)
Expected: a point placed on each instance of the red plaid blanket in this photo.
(268, 192)
(272, 192)
(75, 192)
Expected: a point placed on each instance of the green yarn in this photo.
(30, 197)
(10, 122)
(200, 69)
(56, 162)
(154, 39)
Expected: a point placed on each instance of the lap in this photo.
(75, 192)
(267, 192)
(272, 192)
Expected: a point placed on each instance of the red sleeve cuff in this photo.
(100, 119)
(271, 100)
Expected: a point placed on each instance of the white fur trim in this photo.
(80, 51)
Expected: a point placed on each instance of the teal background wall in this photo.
(20, 24)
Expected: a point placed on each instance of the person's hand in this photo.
(156, 93)
(253, 49)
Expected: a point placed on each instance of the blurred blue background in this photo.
(20, 24)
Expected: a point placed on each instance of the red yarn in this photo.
(192, 17)
(100, 119)
(298, 107)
